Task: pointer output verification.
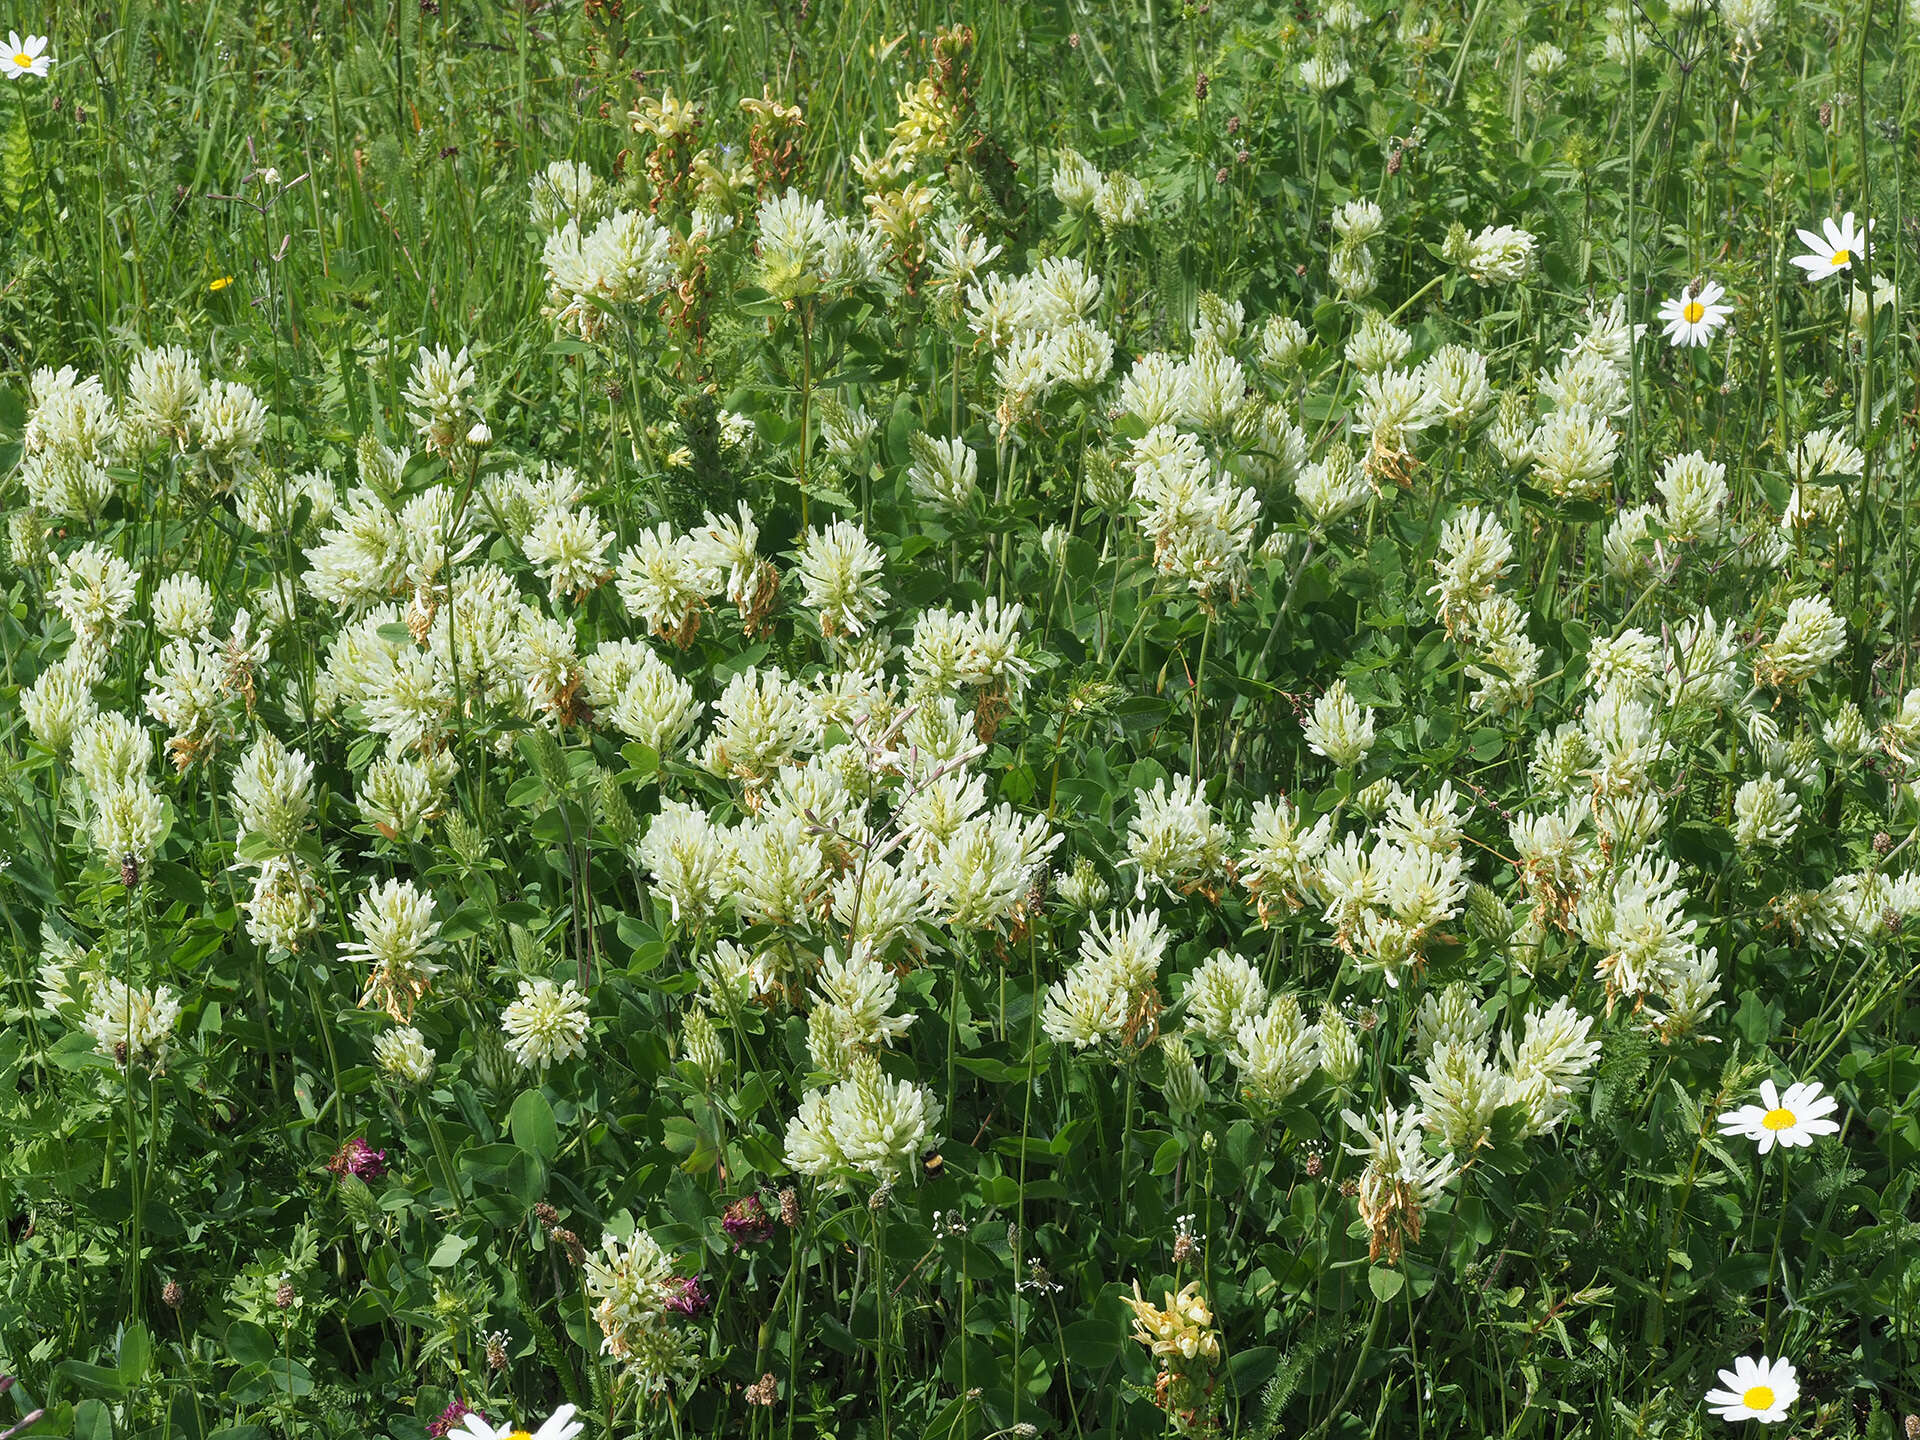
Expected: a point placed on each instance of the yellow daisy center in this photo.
(23, 60)
(1842, 257)
(1692, 311)
(1781, 1119)
(1758, 1397)
(524, 1435)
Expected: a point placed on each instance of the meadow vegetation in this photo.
(852, 719)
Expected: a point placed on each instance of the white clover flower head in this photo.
(1475, 554)
(1332, 487)
(868, 1124)
(1459, 1095)
(1573, 451)
(1400, 1180)
(404, 1055)
(1274, 1052)
(1632, 661)
(1810, 637)
(1627, 546)
(1323, 73)
(1498, 255)
(1352, 271)
(1847, 734)
(856, 997)
(1552, 1064)
(1082, 888)
(286, 906)
(689, 858)
(1217, 321)
(547, 1024)
(1453, 1016)
(228, 423)
(1283, 340)
(959, 255)
(163, 387)
(1277, 864)
(438, 393)
(110, 749)
(1122, 202)
(1377, 344)
(1357, 221)
(1545, 60)
(1511, 433)
(131, 1025)
(1086, 1007)
(95, 590)
(1695, 491)
(1173, 840)
(568, 550)
(1213, 388)
(1456, 375)
(128, 822)
(702, 1047)
(565, 190)
(1824, 453)
(70, 416)
(1184, 1086)
(840, 570)
(665, 580)
(1765, 814)
(272, 793)
(398, 938)
(1340, 1056)
(1152, 389)
(1223, 993)
(943, 473)
(1340, 729)
(59, 703)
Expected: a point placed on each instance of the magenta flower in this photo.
(456, 1411)
(358, 1159)
(746, 1222)
(685, 1297)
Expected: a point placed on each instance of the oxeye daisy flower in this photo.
(1691, 317)
(1789, 1120)
(560, 1426)
(1756, 1389)
(1834, 251)
(26, 56)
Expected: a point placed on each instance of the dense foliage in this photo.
(841, 720)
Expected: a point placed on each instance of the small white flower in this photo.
(1757, 1388)
(559, 1426)
(1691, 318)
(1792, 1119)
(26, 56)
(1835, 250)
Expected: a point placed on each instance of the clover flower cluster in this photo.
(832, 805)
(634, 1291)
